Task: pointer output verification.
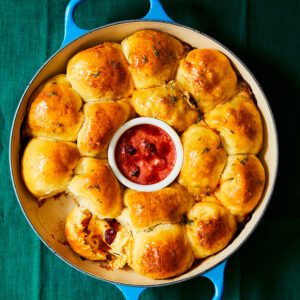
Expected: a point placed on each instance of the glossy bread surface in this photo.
(210, 227)
(153, 57)
(239, 123)
(208, 75)
(47, 166)
(242, 184)
(100, 73)
(102, 119)
(167, 102)
(163, 252)
(147, 209)
(54, 111)
(204, 160)
(96, 188)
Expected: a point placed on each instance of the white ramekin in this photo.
(150, 187)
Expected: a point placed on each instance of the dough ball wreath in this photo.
(71, 119)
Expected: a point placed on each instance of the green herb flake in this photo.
(185, 220)
(173, 99)
(205, 150)
(200, 117)
(244, 160)
(189, 222)
(51, 94)
(115, 65)
(94, 187)
(144, 59)
(172, 85)
(95, 74)
(156, 51)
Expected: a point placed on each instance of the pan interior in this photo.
(48, 221)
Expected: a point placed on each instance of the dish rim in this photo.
(173, 281)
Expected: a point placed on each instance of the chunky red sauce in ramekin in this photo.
(145, 154)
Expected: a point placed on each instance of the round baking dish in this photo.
(48, 220)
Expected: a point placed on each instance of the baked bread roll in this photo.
(204, 160)
(147, 209)
(207, 74)
(166, 102)
(210, 228)
(54, 111)
(85, 234)
(161, 253)
(100, 73)
(47, 166)
(102, 119)
(239, 123)
(153, 57)
(241, 184)
(96, 188)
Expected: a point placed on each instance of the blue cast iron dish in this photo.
(48, 220)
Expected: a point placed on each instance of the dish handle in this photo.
(157, 12)
(72, 31)
(216, 275)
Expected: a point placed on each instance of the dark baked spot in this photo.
(253, 181)
(163, 258)
(211, 231)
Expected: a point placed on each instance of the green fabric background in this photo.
(266, 36)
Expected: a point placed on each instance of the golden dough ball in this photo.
(96, 188)
(166, 102)
(210, 227)
(204, 160)
(208, 75)
(161, 253)
(241, 184)
(239, 123)
(100, 73)
(85, 234)
(47, 166)
(102, 119)
(54, 111)
(147, 209)
(153, 57)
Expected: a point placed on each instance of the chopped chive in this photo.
(144, 59)
(173, 99)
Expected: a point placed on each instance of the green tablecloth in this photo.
(266, 35)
